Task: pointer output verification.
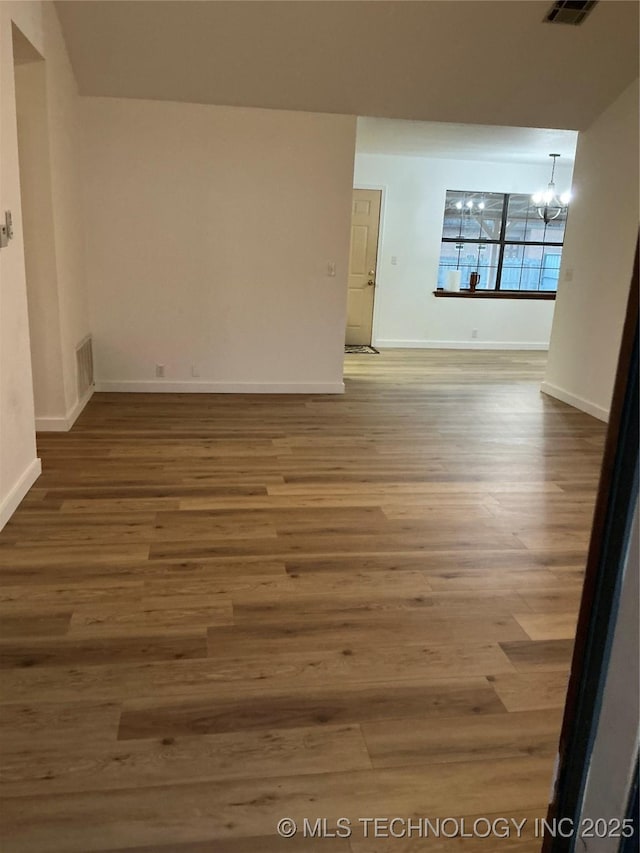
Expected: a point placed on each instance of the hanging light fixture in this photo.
(468, 206)
(549, 204)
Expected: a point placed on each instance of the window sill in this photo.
(495, 294)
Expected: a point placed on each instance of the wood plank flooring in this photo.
(219, 611)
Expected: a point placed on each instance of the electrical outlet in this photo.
(394, 260)
(159, 371)
(195, 371)
(474, 333)
(331, 269)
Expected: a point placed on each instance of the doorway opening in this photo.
(38, 227)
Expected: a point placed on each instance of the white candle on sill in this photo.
(453, 280)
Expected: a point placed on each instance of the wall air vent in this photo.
(84, 366)
(569, 11)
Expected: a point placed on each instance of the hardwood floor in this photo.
(220, 611)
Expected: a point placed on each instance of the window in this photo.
(502, 238)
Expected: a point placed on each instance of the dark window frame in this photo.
(502, 241)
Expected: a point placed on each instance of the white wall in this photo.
(19, 466)
(48, 153)
(39, 242)
(598, 259)
(64, 152)
(209, 234)
(406, 312)
(616, 743)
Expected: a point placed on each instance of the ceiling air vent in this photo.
(569, 11)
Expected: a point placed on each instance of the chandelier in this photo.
(549, 204)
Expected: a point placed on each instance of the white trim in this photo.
(185, 387)
(65, 423)
(423, 344)
(19, 489)
(76, 411)
(577, 402)
(52, 425)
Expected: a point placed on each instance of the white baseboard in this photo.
(163, 386)
(77, 410)
(52, 425)
(424, 344)
(19, 489)
(64, 424)
(577, 402)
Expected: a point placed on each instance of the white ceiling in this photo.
(478, 61)
(465, 142)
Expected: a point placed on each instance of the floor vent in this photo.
(84, 366)
(569, 11)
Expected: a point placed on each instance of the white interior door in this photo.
(365, 224)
